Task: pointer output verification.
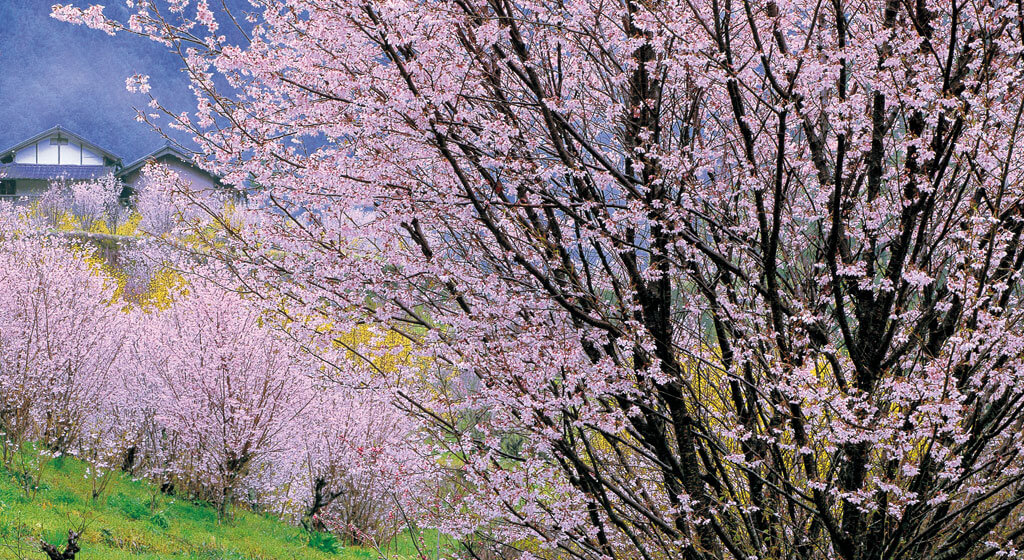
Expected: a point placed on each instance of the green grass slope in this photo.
(132, 520)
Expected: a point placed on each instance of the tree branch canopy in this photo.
(688, 278)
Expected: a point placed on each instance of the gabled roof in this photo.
(43, 171)
(59, 129)
(166, 150)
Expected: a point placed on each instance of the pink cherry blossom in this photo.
(682, 279)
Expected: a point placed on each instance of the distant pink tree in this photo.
(226, 388)
(53, 205)
(358, 465)
(97, 200)
(682, 279)
(61, 340)
(153, 199)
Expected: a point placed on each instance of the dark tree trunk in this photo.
(69, 550)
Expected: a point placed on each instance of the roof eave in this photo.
(160, 152)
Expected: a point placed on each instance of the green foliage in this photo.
(131, 507)
(64, 496)
(325, 542)
(199, 513)
(10, 494)
(56, 537)
(159, 520)
(133, 525)
(27, 476)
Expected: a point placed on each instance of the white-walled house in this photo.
(27, 167)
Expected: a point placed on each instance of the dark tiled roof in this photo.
(39, 171)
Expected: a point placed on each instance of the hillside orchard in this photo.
(195, 390)
(677, 279)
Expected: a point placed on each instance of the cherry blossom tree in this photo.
(61, 345)
(97, 200)
(88, 202)
(689, 278)
(225, 389)
(359, 469)
(52, 206)
(152, 200)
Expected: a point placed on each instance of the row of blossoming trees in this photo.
(196, 391)
(683, 278)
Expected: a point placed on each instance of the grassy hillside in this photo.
(131, 520)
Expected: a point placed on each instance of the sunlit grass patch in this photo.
(134, 521)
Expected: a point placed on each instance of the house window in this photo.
(8, 187)
(58, 141)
